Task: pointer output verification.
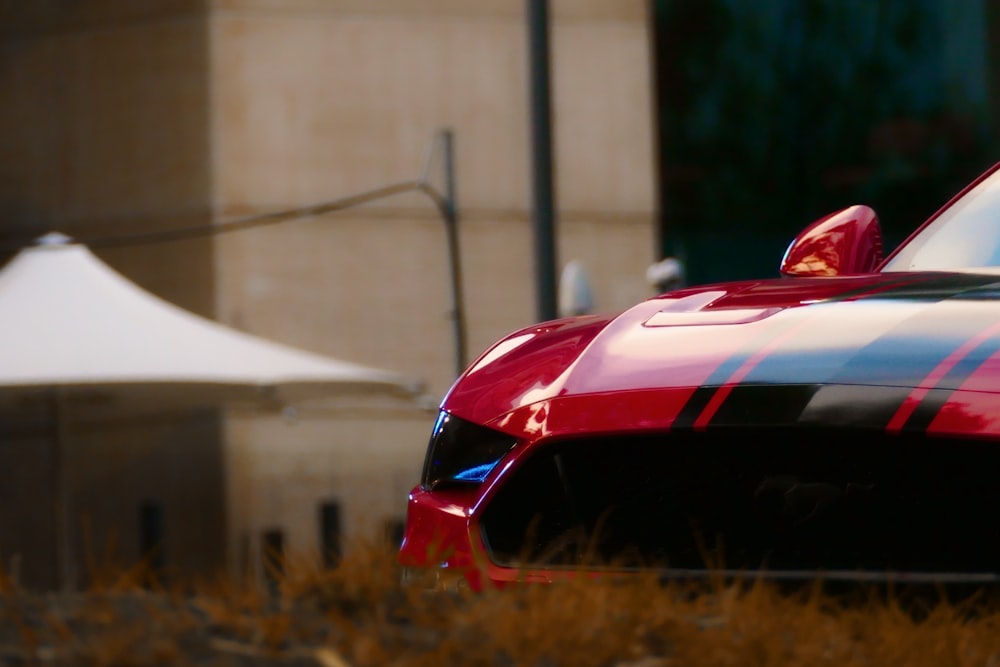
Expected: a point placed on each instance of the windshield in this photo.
(965, 237)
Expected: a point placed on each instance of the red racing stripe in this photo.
(908, 406)
(724, 390)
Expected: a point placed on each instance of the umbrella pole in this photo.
(64, 561)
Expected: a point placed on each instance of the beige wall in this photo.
(104, 130)
(361, 459)
(317, 99)
(321, 102)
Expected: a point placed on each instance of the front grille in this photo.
(773, 499)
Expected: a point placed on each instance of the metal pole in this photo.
(450, 214)
(541, 162)
(65, 575)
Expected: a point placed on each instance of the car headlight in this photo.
(461, 452)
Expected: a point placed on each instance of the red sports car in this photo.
(842, 418)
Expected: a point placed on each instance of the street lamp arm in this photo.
(445, 203)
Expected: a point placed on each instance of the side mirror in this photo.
(848, 242)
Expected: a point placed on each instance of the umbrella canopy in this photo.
(70, 321)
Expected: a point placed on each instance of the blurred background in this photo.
(707, 130)
(773, 113)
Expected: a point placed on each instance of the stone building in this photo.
(120, 117)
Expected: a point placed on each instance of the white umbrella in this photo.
(71, 324)
(69, 320)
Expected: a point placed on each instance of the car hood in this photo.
(889, 332)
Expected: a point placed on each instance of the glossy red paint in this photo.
(845, 243)
(642, 409)
(885, 343)
(919, 392)
(630, 375)
(969, 413)
(543, 353)
(613, 357)
(437, 526)
(602, 355)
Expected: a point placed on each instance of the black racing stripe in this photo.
(854, 405)
(898, 360)
(760, 405)
(929, 407)
(702, 395)
(724, 371)
(694, 407)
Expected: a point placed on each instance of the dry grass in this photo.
(359, 614)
